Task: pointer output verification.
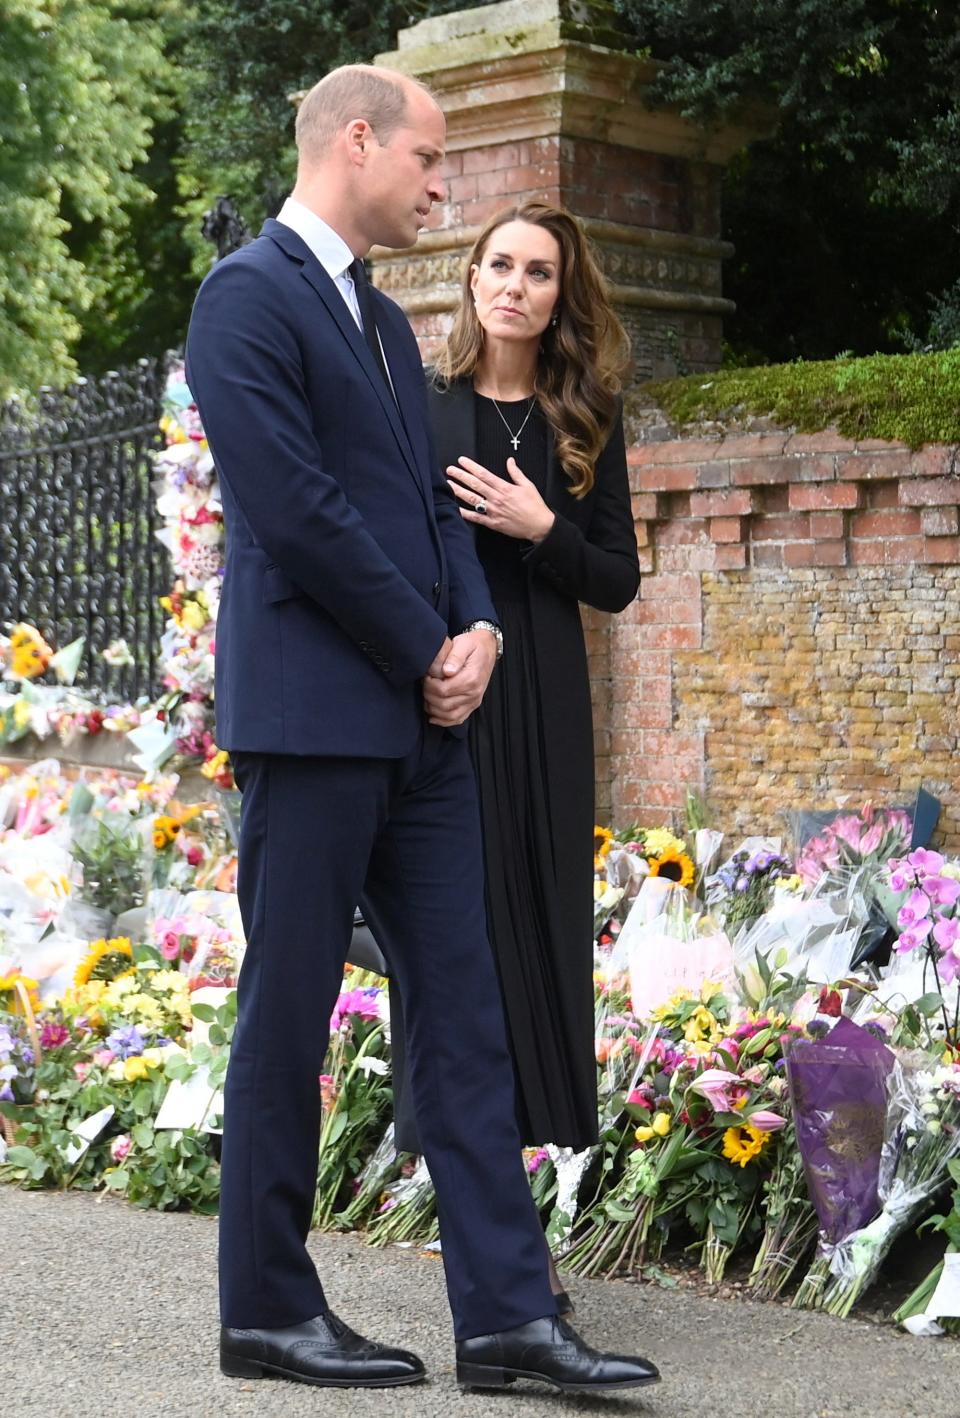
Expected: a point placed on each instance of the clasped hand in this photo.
(456, 681)
(514, 508)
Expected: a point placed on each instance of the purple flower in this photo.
(942, 890)
(126, 1042)
(54, 1035)
(948, 966)
(914, 909)
(913, 937)
(946, 933)
(6, 1040)
(362, 1002)
(899, 880)
(923, 860)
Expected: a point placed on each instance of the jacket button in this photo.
(436, 588)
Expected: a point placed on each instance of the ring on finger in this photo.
(481, 506)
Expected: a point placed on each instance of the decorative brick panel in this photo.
(797, 636)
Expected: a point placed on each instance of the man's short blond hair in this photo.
(353, 91)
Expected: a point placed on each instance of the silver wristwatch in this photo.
(493, 628)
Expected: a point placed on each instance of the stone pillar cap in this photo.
(508, 27)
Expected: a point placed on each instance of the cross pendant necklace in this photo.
(515, 437)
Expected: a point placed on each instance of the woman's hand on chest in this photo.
(512, 506)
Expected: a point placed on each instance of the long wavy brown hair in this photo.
(582, 357)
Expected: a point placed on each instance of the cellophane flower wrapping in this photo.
(922, 1136)
(838, 1089)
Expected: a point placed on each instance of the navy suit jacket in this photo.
(347, 560)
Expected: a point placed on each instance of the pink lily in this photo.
(714, 1084)
(765, 1121)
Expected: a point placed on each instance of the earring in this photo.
(553, 321)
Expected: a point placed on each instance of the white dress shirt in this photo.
(334, 256)
(331, 250)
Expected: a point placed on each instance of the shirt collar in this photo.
(330, 249)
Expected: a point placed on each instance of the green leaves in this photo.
(80, 88)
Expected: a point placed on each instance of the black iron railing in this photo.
(78, 550)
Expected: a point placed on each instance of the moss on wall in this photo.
(914, 399)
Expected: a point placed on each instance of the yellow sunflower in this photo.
(602, 842)
(12, 997)
(744, 1143)
(30, 654)
(106, 960)
(674, 865)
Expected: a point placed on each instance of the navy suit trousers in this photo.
(402, 836)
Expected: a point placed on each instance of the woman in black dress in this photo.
(527, 421)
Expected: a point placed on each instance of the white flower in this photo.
(369, 1065)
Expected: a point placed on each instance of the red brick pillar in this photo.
(543, 100)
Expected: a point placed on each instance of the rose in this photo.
(170, 946)
(120, 1147)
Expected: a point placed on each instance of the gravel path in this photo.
(105, 1309)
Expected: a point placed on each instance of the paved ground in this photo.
(105, 1309)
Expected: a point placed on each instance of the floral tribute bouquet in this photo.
(856, 839)
(932, 1308)
(643, 851)
(922, 1138)
(91, 1079)
(31, 707)
(743, 887)
(927, 888)
(838, 1086)
(25, 656)
(193, 533)
(702, 1118)
(355, 1095)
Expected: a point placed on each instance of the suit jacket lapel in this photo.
(314, 273)
(321, 282)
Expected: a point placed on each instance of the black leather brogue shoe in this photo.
(549, 1350)
(321, 1351)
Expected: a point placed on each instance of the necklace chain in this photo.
(515, 437)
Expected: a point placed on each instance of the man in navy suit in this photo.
(355, 636)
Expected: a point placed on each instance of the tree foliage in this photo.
(846, 218)
(244, 60)
(81, 84)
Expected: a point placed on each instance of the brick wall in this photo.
(797, 635)
(654, 221)
(594, 179)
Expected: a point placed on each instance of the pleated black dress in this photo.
(531, 742)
